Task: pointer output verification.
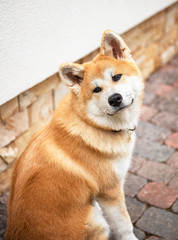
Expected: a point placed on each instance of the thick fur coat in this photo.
(68, 183)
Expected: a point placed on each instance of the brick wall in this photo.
(153, 43)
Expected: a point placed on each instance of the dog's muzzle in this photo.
(117, 105)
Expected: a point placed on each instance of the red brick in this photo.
(6, 136)
(15, 125)
(3, 165)
(137, 163)
(176, 83)
(165, 90)
(9, 108)
(18, 122)
(147, 113)
(9, 153)
(158, 194)
(42, 109)
(172, 140)
(26, 99)
(173, 160)
(167, 68)
(174, 61)
(174, 182)
(156, 171)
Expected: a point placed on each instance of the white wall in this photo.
(37, 35)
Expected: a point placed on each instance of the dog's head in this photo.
(106, 91)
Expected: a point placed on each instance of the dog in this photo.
(68, 183)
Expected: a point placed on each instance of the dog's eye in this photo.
(116, 77)
(97, 89)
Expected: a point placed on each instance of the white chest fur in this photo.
(121, 164)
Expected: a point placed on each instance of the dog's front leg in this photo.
(112, 202)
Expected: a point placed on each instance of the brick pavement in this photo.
(152, 184)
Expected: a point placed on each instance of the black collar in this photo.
(121, 130)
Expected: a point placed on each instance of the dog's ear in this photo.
(113, 45)
(72, 75)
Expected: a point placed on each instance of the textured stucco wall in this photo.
(36, 36)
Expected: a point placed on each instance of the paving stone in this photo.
(175, 206)
(168, 68)
(176, 83)
(165, 104)
(148, 97)
(139, 234)
(159, 222)
(155, 79)
(158, 195)
(135, 208)
(168, 77)
(172, 140)
(147, 112)
(156, 171)
(168, 52)
(151, 132)
(174, 182)
(165, 91)
(152, 150)
(136, 163)
(3, 218)
(173, 160)
(151, 86)
(167, 120)
(133, 184)
(174, 61)
(4, 198)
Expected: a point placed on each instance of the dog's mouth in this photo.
(121, 108)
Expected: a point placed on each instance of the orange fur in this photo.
(65, 167)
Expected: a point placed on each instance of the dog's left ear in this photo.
(72, 75)
(113, 45)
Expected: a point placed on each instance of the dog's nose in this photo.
(115, 100)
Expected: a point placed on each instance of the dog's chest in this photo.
(121, 164)
(120, 167)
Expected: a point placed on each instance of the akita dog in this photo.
(68, 183)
